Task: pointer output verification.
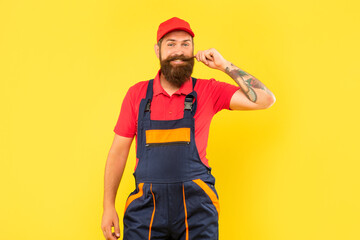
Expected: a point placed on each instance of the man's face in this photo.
(176, 57)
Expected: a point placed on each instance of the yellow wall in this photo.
(290, 172)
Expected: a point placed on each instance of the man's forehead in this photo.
(177, 35)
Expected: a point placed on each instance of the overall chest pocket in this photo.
(167, 137)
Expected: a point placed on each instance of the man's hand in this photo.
(110, 219)
(212, 58)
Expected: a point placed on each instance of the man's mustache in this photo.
(181, 57)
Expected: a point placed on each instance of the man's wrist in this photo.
(108, 204)
(108, 207)
(227, 64)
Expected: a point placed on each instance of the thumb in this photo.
(117, 228)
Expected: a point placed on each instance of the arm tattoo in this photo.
(246, 82)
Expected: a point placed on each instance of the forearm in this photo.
(246, 82)
(114, 169)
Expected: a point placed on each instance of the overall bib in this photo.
(175, 197)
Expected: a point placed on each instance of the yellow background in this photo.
(290, 172)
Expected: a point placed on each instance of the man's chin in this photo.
(177, 68)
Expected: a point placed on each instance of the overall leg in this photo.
(201, 206)
(144, 216)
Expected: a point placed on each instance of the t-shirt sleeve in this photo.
(222, 93)
(126, 123)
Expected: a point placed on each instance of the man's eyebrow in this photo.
(173, 40)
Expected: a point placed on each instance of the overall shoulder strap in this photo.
(149, 91)
(194, 82)
(149, 95)
(190, 103)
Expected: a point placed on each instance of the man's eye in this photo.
(185, 44)
(170, 44)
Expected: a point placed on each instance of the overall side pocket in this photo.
(209, 192)
(132, 197)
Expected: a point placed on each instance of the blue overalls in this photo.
(175, 197)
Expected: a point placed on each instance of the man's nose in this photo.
(178, 51)
(177, 54)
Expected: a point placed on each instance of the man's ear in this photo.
(156, 48)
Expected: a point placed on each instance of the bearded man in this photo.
(175, 196)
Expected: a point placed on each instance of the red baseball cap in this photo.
(171, 25)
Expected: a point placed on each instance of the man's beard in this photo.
(178, 74)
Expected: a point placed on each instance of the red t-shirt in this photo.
(212, 96)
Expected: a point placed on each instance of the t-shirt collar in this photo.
(185, 89)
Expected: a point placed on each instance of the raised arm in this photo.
(253, 94)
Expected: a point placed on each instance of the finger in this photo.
(206, 59)
(209, 55)
(114, 235)
(109, 234)
(203, 58)
(117, 228)
(106, 234)
(197, 56)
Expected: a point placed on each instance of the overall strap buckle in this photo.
(188, 103)
(147, 108)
